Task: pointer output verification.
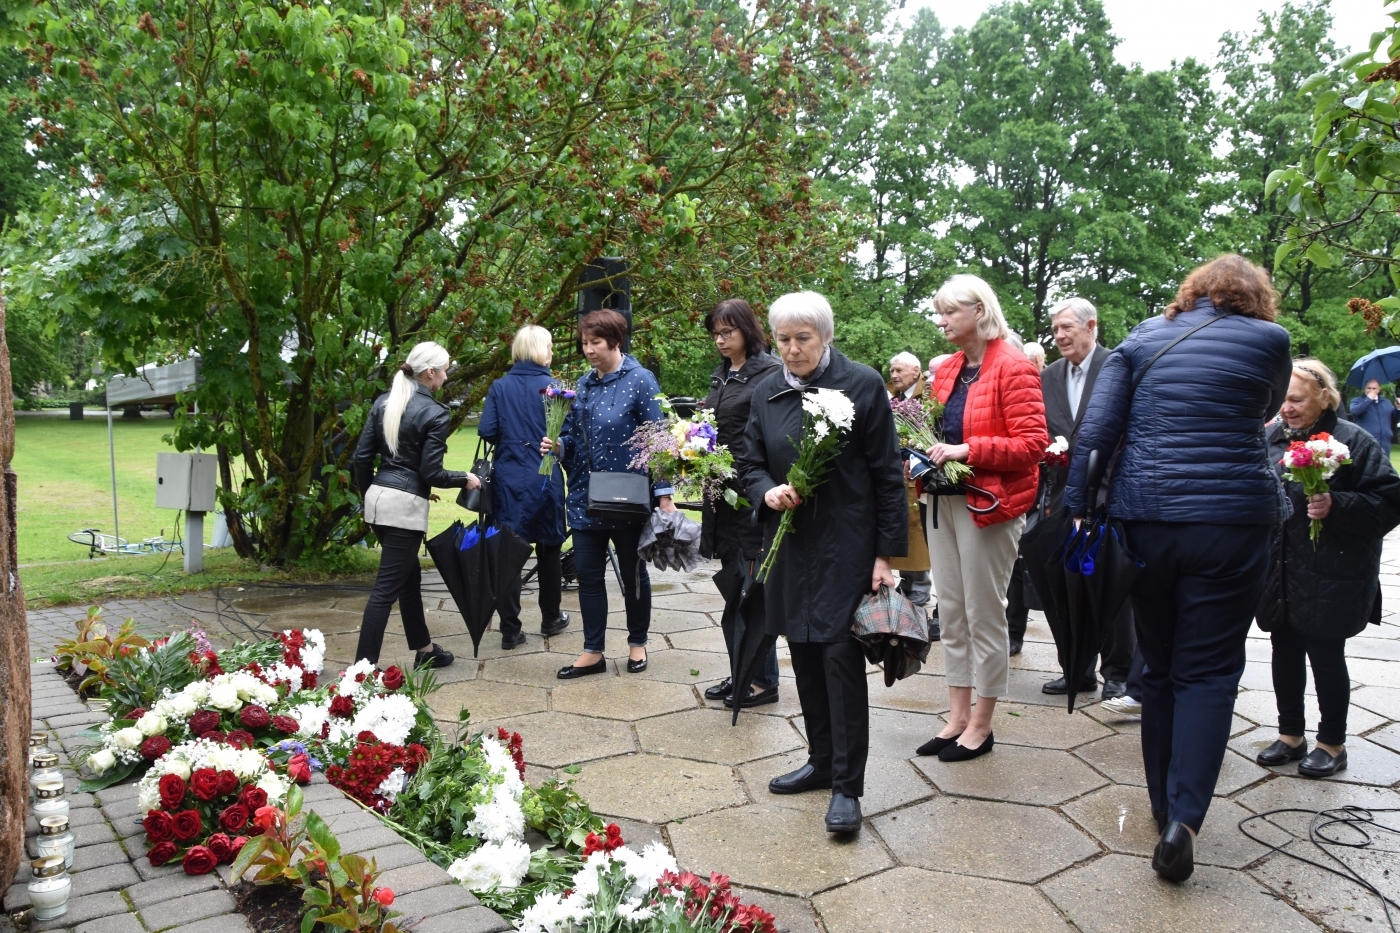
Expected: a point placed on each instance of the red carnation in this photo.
(172, 791)
(308, 680)
(162, 852)
(154, 747)
(159, 826)
(137, 713)
(203, 721)
(255, 717)
(285, 724)
(234, 818)
(205, 783)
(199, 861)
(393, 678)
(342, 706)
(221, 847)
(299, 769)
(241, 738)
(215, 736)
(187, 825)
(325, 730)
(414, 756)
(254, 798)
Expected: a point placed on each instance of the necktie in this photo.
(1075, 385)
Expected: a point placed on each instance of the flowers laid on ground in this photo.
(1057, 454)
(827, 414)
(916, 423)
(1312, 463)
(558, 399)
(686, 452)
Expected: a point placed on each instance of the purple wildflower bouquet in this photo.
(558, 399)
(688, 454)
(915, 422)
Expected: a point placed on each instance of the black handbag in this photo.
(480, 499)
(619, 496)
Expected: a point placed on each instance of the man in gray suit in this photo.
(1067, 385)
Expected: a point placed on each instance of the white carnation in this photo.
(349, 686)
(832, 406)
(499, 819)
(494, 866)
(310, 718)
(552, 914)
(313, 652)
(645, 869)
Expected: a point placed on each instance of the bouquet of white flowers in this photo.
(827, 416)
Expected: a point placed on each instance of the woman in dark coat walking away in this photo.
(407, 431)
(1199, 501)
(1318, 596)
(839, 547)
(529, 504)
(728, 533)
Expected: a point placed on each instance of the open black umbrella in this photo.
(476, 569)
(442, 548)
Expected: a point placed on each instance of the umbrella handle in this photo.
(1098, 464)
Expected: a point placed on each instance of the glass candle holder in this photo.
(50, 799)
(38, 745)
(55, 838)
(49, 888)
(44, 771)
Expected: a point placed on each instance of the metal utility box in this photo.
(186, 481)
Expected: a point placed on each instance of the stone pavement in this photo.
(1051, 830)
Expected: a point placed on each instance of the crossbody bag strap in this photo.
(1160, 353)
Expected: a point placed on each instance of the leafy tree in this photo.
(297, 192)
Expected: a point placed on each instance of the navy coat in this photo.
(529, 504)
(606, 414)
(1195, 450)
(1375, 417)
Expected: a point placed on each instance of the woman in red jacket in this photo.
(994, 421)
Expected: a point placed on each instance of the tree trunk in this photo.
(14, 644)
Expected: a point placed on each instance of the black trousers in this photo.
(549, 582)
(1193, 604)
(835, 700)
(1017, 612)
(1292, 650)
(399, 580)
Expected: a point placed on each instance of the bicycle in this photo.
(100, 545)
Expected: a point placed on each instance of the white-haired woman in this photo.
(513, 420)
(407, 431)
(841, 543)
(994, 421)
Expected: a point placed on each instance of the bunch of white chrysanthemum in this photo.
(598, 886)
(495, 866)
(498, 819)
(390, 717)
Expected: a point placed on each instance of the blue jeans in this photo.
(591, 557)
(1193, 605)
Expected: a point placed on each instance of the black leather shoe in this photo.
(1174, 857)
(435, 656)
(935, 633)
(555, 627)
(511, 642)
(1113, 689)
(636, 667)
(1015, 648)
(1320, 763)
(843, 816)
(800, 781)
(1281, 753)
(572, 671)
(1058, 687)
(956, 752)
(721, 690)
(761, 698)
(935, 745)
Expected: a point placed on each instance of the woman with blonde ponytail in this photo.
(407, 431)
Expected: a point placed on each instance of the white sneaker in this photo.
(1123, 706)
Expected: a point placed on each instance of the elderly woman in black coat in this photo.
(1315, 598)
(728, 533)
(839, 549)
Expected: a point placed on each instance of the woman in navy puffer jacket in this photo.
(1199, 501)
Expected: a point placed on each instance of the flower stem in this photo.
(784, 526)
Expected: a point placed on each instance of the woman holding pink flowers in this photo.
(1321, 592)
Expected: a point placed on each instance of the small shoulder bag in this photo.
(620, 496)
(480, 499)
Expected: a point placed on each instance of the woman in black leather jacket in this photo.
(407, 430)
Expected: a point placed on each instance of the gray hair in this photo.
(1084, 311)
(907, 358)
(808, 308)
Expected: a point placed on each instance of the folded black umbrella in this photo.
(751, 639)
(671, 541)
(1043, 551)
(442, 548)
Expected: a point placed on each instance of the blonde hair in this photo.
(965, 291)
(1320, 379)
(532, 343)
(424, 356)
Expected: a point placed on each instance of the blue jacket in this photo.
(1196, 450)
(607, 412)
(531, 505)
(1374, 417)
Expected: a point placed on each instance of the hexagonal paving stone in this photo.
(1336, 902)
(490, 646)
(1367, 762)
(487, 700)
(706, 735)
(896, 733)
(1120, 757)
(554, 740)
(770, 847)
(1037, 657)
(922, 693)
(985, 839)
(889, 784)
(689, 602)
(1259, 706)
(667, 621)
(700, 639)
(1389, 737)
(628, 698)
(1120, 816)
(1014, 773)
(911, 900)
(675, 665)
(1044, 726)
(538, 670)
(1382, 700)
(1120, 892)
(1374, 672)
(1308, 794)
(656, 789)
(329, 621)
(1023, 686)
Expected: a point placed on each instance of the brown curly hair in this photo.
(1231, 282)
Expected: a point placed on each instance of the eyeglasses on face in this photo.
(726, 334)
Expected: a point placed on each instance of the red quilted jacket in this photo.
(1003, 424)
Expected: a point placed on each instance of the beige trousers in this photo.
(971, 569)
